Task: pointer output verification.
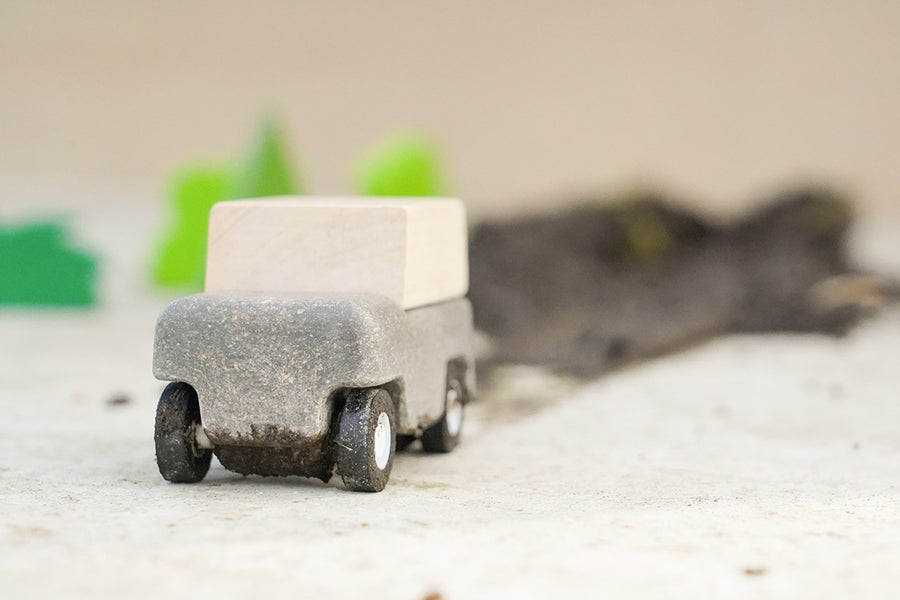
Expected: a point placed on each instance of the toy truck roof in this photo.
(411, 250)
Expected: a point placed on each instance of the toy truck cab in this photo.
(330, 330)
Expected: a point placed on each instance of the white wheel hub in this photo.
(454, 417)
(203, 441)
(382, 442)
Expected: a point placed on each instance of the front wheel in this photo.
(178, 455)
(365, 442)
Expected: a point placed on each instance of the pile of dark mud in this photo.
(602, 284)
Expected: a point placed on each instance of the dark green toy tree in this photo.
(38, 267)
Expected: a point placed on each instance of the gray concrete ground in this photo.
(746, 467)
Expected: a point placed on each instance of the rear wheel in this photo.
(365, 442)
(443, 436)
(178, 455)
(404, 442)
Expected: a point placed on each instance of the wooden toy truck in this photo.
(330, 331)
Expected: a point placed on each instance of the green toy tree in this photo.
(38, 267)
(265, 171)
(181, 257)
(403, 166)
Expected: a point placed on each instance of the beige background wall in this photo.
(716, 101)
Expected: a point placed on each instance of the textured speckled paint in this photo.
(265, 367)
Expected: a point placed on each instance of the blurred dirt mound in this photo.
(590, 288)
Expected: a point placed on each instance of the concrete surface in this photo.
(747, 467)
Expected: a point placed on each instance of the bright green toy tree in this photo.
(265, 171)
(403, 166)
(181, 257)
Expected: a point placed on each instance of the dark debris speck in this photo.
(118, 400)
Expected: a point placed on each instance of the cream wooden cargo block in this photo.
(411, 250)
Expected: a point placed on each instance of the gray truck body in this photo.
(269, 370)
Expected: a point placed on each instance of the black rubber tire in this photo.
(355, 440)
(439, 438)
(404, 442)
(178, 457)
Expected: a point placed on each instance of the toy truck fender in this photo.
(268, 369)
